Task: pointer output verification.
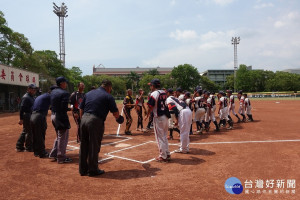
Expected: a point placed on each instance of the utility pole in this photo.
(61, 12)
(235, 41)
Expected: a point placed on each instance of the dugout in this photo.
(13, 85)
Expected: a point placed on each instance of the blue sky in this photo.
(165, 33)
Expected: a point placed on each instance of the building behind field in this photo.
(218, 75)
(125, 71)
(13, 85)
(294, 71)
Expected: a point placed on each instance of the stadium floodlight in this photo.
(61, 12)
(235, 41)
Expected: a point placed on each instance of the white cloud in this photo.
(222, 2)
(183, 35)
(263, 5)
(172, 2)
(293, 15)
(289, 19)
(278, 24)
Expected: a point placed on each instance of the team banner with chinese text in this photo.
(14, 76)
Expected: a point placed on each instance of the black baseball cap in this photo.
(207, 92)
(187, 94)
(179, 90)
(170, 90)
(229, 91)
(240, 92)
(155, 82)
(53, 87)
(32, 86)
(60, 80)
(199, 92)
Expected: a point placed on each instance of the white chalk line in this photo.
(129, 147)
(108, 144)
(243, 142)
(110, 156)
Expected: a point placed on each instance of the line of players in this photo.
(202, 102)
(204, 105)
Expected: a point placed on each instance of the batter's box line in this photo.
(108, 144)
(129, 159)
(109, 153)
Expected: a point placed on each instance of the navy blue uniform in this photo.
(96, 104)
(60, 120)
(39, 124)
(25, 113)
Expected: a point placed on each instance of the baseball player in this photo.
(231, 106)
(150, 123)
(242, 105)
(248, 108)
(161, 113)
(223, 109)
(179, 94)
(128, 105)
(171, 120)
(199, 110)
(189, 103)
(25, 114)
(183, 117)
(139, 106)
(210, 110)
(75, 100)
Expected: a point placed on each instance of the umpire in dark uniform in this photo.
(38, 123)
(59, 107)
(25, 113)
(94, 109)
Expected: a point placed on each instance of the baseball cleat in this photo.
(160, 159)
(169, 158)
(179, 151)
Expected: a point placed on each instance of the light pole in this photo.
(235, 41)
(61, 12)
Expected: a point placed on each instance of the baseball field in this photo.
(257, 153)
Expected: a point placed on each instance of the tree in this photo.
(15, 47)
(209, 85)
(132, 80)
(153, 72)
(229, 82)
(74, 75)
(186, 76)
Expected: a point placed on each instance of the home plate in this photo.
(123, 145)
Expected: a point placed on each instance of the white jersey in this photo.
(199, 102)
(242, 101)
(154, 101)
(181, 97)
(231, 99)
(247, 103)
(176, 102)
(189, 102)
(223, 102)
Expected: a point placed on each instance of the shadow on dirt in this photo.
(131, 174)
